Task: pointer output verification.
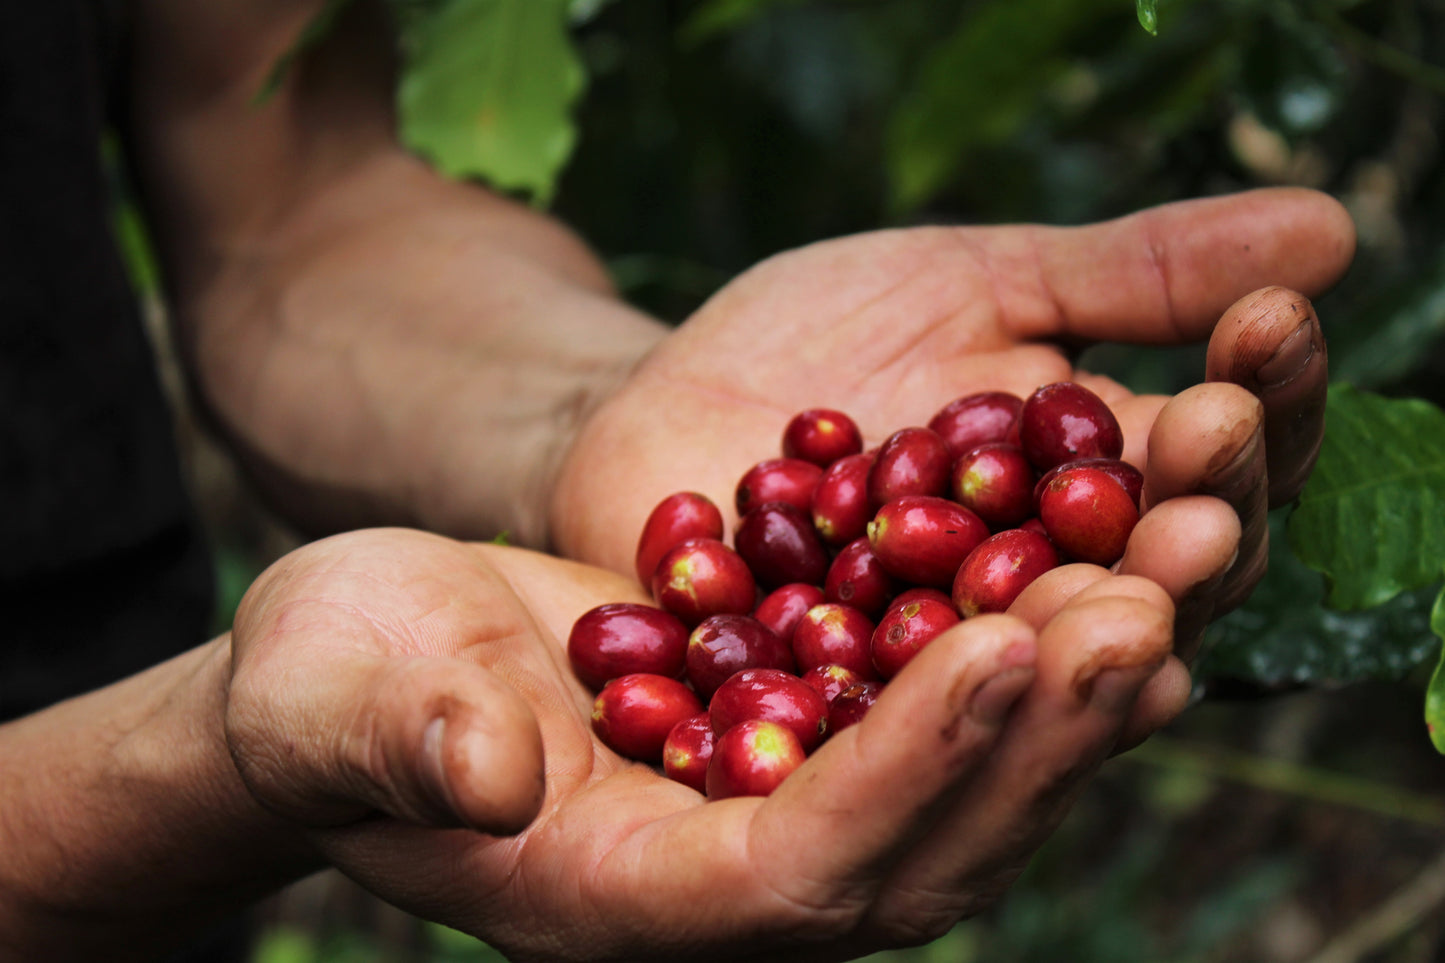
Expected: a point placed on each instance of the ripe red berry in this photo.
(841, 509)
(784, 607)
(778, 542)
(688, 750)
(621, 638)
(676, 518)
(978, 419)
(833, 634)
(774, 695)
(857, 578)
(1088, 515)
(830, 680)
(702, 577)
(850, 706)
(912, 461)
(632, 715)
(821, 436)
(790, 480)
(904, 631)
(996, 483)
(1000, 568)
(752, 759)
(1065, 422)
(1124, 473)
(724, 644)
(923, 540)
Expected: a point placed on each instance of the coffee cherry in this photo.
(920, 592)
(841, 509)
(912, 461)
(996, 483)
(830, 680)
(833, 634)
(779, 544)
(676, 518)
(850, 706)
(978, 419)
(857, 578)
(688, 750)
(821, 436)
(703, 577)
(724, 644)
(1000, 568)
(790, 480)
(923, 540)
(774, 695)
(621, 638)
(904, 631)
(784, 607)
(1088, 515)
(1124, 473)
(632, 715)
(1065, 422)
(752, 759)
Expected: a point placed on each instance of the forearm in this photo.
(382, 345)
(123, 822)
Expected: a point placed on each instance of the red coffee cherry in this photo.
(1088, 515)
(821, 436)
(1065, 422)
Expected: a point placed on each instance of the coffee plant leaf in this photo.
(1284, 637)
(1372, 517)
(488, 89)
(1148, 13)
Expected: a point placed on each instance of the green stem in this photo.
(1284, 777)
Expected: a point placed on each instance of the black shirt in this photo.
(102, 570)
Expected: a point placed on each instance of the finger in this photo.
(1166, 274)
(1094, 657)
(1209, 440)
(1164, 697)
(1042, 599)
(429, 740)
(1167, 692)
(1270, 342)
(870, 787)
(1187, 546)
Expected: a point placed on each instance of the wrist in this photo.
(122, 809)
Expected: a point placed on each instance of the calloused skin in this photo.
(890, 833)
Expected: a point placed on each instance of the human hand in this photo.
(890, 326)
(892, 831)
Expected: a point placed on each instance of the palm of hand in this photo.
(620, 862)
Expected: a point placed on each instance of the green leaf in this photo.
(1285, 637)
(1148, 13)
(978, 86)
(1435, 694)
(488, 92)
(1372, 517)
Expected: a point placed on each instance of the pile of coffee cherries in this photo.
(844, 564)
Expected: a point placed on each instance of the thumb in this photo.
(429, 740)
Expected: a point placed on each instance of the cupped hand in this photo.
(404, 694)
(890, 326)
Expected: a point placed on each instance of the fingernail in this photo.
(433, 769)
(1113, 690)
(1292, 357)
